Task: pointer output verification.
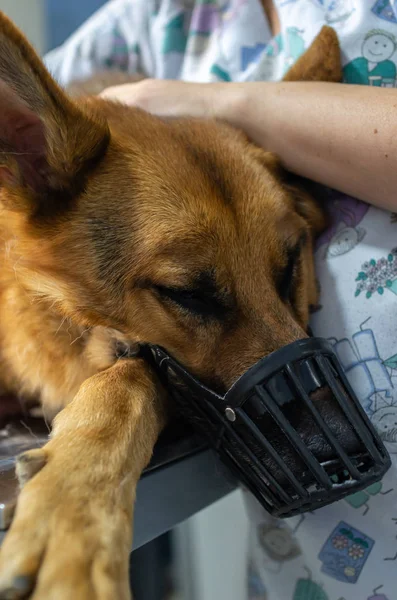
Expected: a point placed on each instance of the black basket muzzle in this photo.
(291, 428)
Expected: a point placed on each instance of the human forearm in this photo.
(343, 136)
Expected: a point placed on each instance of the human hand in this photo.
(170, 98)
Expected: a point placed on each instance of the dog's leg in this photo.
(72, 530)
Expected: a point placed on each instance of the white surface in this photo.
(211, 550)
(29, 16)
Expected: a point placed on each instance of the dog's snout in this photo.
(290, 426)
(333, 416)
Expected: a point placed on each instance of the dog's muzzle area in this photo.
(291, 428)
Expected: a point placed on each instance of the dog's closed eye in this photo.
(288, 276)
(197, 301)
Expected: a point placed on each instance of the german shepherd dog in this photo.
(118, 227)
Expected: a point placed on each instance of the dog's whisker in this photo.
(60, 325)
(29, 430)
(15, 265)
(45, 419)
(69, 328)
(80, 336)
(10, 153)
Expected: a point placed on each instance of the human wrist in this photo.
(228, 101)
(243, 105)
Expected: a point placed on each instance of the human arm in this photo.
(342, 136)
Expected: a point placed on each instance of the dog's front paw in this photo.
(70, 538)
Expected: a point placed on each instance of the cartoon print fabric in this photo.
(374, 66)
(228, 40)
(347, 551)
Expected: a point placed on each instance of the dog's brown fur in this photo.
(101, 208)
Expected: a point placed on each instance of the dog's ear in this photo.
(309, 201)
(47, 144)
(309, 197)
(320, 62)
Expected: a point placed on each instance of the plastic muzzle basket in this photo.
(255, 426)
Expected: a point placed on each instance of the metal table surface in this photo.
(183, 477)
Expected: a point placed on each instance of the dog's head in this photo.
(179, 233)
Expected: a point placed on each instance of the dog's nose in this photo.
(332, 414)
(312, 435)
